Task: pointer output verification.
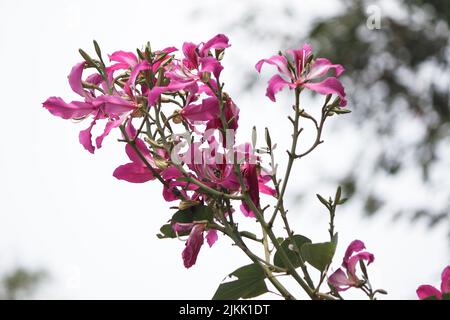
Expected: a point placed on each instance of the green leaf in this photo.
(194, 213)
(323, 201)
(166, 231)
(320, 255)
(289, 249)
(446, 296)
(249, 284)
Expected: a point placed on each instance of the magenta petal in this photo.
(75, 78)
(276, 84)
(114, 105)
(246, 211)
(134, 157)
(189, 50)
(340, 281)
(193, 246)
(72, 110)
(85, 138)
(211, 237)
(210, 64)
(279, 61)
(207, 110)
(321, 66)
(144, 65)
(133, 172)
(328, 86)
(427, 291)
(354, 246)
(109, 126)
(445, 284)
(301, 56)
(219, 41)
(351, 265)
(126, 59)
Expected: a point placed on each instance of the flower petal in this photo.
(85, 138)
(445, 284)
(321, 66)
(193, 245)
(114, 105)
(124, 59)
(211, 237)
(427, 291)
(301, 56)
(219, 41)
(279, 61)
(75, 78)
(351, 266)
(276, 84)
(330, 85)
(211, 64)
(72, 110)
(133, 172)
(340, 281)
(208, 110)
(354, 246)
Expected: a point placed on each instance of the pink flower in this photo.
(427, 291)
(114, 108)
(196, 66)
(304, 73)
(341, 280)
(195, 240)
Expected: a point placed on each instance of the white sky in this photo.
(61, 209)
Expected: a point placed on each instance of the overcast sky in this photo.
(60, 207)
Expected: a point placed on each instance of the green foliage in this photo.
(320, 255)
(287, 246)
(249, 284)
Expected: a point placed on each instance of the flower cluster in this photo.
(133, 86)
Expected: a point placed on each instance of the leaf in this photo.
(320, 255)
(194, 213)
(166, 231)
(286, 245)
(250, 284)
(446, 296)
(323, 201)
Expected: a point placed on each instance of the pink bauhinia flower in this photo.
(304, 73)
(114, 108)
(428, 291)
(342, 280)
(195, 67)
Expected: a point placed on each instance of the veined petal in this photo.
(209, 109)
(85, 137)
(321, 66)
(219, 41)
(351, 265)
(133, 156)
(141, 66)
(340, 281)
(445, 277)
(330, 85)
(354, 246)
(114, 105)
(211, 237)
(301, 56)
(276, 84)
(133, 172)
(125, 59)
(112, 124)
(156, 92)
(427, 291)
(193, 245)
(246, 210)
(279, 61)
(211, 64)
(72, 110)
(75, 78)
(191, 58)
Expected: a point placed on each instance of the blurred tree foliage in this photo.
(20, 283)
(394, 73)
